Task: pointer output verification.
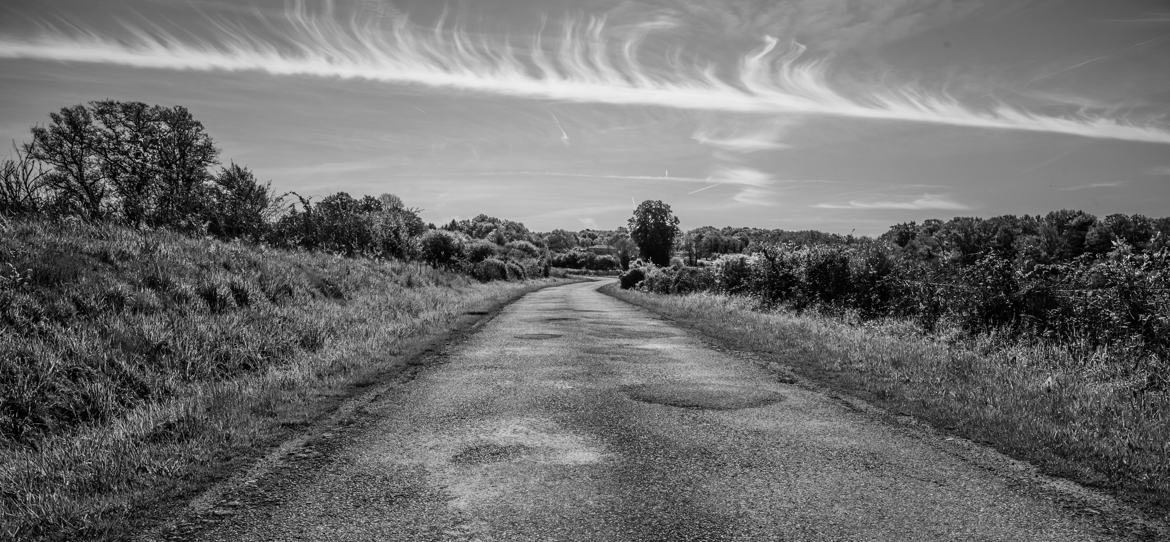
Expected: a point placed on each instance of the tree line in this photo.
(152, 166)
(1067, 276)
(136, 164)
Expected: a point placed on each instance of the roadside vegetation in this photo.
(1046, 337)
(165, 319)
(139, 366)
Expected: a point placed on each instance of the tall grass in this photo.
(137, 366)
(1075, 411)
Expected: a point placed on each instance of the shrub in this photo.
(440, 248)
(871, 272)
(774, 277)
(480, 251)
(689, 280)
(522, 249)
(489, 270)
(515, 271)
(657, 280)
(573, 259)
(602, 263)
(732, 274)
(632, 278)
(824, 276)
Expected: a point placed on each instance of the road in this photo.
(575, 416)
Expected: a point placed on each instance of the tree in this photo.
(441, 248)
(653, 228)
(560, 240)
(395, 227)
(22, 185)
(128, 145)
(341, 224)
(240, 204)
(68, 146)
(185, 154)
(1063, 234)
(481, 250)
(624, 246)
(1135, 230)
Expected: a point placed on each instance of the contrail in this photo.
(586, 66)
(1084, 63)
(704, 189)
(564, 134)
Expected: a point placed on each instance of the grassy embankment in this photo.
(1074, 414)
(137, 368)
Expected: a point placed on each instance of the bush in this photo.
(515, 271)
(602, 263)
(657, 280)
(480, 251)
(824, 276)
(732, 274)
(489, 270)
(689, 280)
(522, 249)
(573, 259)
(871, 272)
(632, 278)
(440, 248)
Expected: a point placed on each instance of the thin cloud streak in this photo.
(928, 202)
(586, 66)
(591, 176)
(754, 196)
(1093, 186)
(463, 174)
(743, 142)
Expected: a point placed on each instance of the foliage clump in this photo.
(441, 248)
(481, 250)
(632, 278)
(490, 269)
(1046, 278)
(654, 227)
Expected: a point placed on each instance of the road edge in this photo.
(313, 445)
(1102, 509)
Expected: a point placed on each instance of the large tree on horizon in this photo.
(654, 227)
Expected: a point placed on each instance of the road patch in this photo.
(702, 396)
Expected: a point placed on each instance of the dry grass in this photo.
(1079, 414)
(136, 368)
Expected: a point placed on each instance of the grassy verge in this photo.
(137, 368)
(1075, 415)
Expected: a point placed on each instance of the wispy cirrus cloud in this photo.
(1093, 186)
(742, 176)
(583, 63)
(743, 139)
(755, 196)
(754, 185)
(927, 202)
(563, 174)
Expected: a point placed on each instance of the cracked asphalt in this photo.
(575, 416)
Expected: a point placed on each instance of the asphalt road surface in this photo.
(575, 416)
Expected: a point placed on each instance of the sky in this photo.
(837, 115)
